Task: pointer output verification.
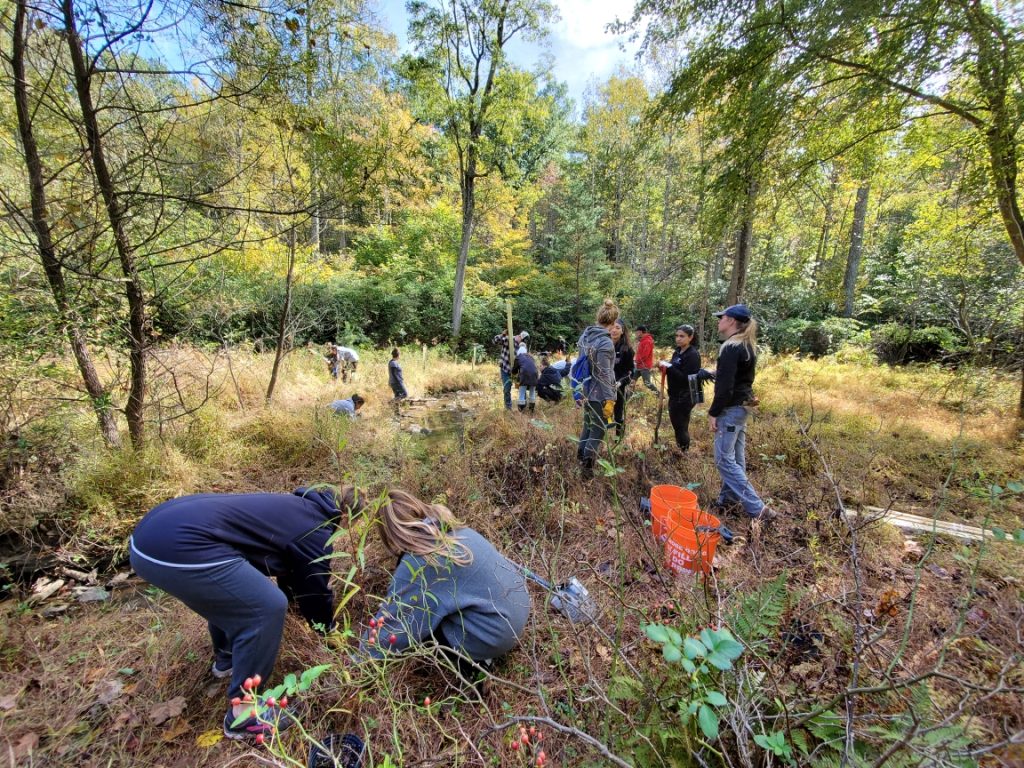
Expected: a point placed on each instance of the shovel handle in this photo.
(534, 577)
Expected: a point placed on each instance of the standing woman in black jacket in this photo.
(623, 372)
(727, 416)
(685, 362)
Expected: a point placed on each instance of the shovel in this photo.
(661, 406)
(571, 599)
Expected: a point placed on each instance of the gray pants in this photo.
(594, 427)
(645, 374)
(243, 608)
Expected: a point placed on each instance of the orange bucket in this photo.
(670, 504)
(691, 544)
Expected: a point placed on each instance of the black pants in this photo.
(620, 411)
(679, 412)
(550, 394)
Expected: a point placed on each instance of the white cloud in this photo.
(584, 22)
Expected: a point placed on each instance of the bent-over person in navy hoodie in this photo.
(215, 552)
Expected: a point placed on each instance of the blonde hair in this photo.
(745, 336)
(608, 313)
(407, 524)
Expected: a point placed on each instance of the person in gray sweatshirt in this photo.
(451, 585)
(599, 389)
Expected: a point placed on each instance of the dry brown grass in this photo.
(514, 478)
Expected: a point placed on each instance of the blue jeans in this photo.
(524, 391)
(731, 460)
(243, 608)
(594, 427)
(506, 385)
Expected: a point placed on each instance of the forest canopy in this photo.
(282, 174)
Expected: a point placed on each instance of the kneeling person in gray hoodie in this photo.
(451, 584)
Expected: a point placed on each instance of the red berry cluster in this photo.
(378, 624)
(252, 697)
(529, 740)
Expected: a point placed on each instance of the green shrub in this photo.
(897, 344)
(815, 338)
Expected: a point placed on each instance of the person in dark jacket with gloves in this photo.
(599, 389)
(623, 369)
(684, 363)
(525, 371)
(727, 416)
(215, 552)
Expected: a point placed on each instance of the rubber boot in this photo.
(533, 407)
(522, 407)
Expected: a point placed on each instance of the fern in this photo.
(759, 613)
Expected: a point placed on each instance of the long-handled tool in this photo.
(661, 406)
(571, 599)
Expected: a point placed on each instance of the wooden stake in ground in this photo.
(661, 406)
(511, 340)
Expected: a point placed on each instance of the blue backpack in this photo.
(579, 375)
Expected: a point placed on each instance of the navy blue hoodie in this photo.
(281, 534)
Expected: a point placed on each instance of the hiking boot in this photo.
(587, 470)
(719, 508)
(766, 514)
(533, 407)
(219, 670)
(272, 720)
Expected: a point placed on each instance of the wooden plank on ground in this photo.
(909, 522)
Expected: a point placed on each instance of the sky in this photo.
(583, 51)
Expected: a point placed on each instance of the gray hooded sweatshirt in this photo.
(597, 345)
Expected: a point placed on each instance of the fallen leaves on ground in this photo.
(161, 713)
(209, 738)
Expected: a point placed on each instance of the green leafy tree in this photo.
(464, 63)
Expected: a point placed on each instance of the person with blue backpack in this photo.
(593, 383)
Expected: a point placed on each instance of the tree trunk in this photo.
(744, 246)
(98, 395)
(826, 225)
(860, 214)
(282, 326)
(314, 175)
(468, 202)
(116, 215)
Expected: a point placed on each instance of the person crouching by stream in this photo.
(214, 552)
(727, 416)
(451, 585)
(349, 406)
(525, 371)
(598, 389)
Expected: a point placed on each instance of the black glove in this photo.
(705, 375)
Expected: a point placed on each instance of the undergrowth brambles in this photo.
(928, 628)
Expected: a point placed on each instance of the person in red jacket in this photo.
(644, 357)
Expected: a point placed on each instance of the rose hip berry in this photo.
(426, 702)
(248, 684)
(259, 738)
(393, 639)
(256, 679)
